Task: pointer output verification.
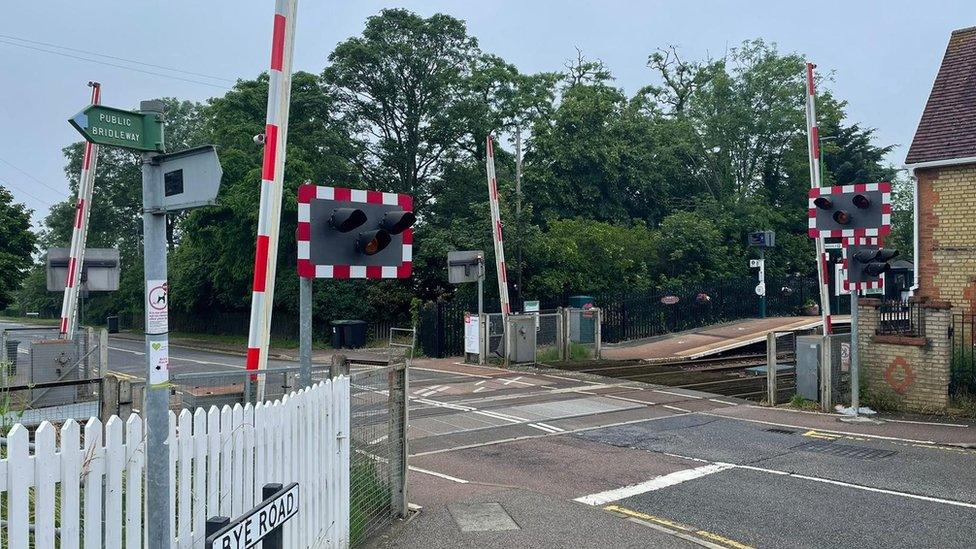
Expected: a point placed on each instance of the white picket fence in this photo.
(92, 495)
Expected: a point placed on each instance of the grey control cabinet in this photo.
(522, 333)
(54, 360)
(808, 366)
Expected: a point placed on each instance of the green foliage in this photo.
(16, 245)
(620, 192)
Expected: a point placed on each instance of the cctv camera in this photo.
(259, 139)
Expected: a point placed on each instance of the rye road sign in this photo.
(118, 128)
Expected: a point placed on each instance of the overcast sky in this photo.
(885, 54)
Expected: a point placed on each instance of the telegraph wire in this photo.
(8, 185)
(36, 180)
(63, 54)
(87, 52)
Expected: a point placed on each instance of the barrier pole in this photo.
(79, 233)
(272, 179)
(496, 236)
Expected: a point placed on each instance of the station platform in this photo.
(711, 340)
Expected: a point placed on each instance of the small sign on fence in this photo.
(263, 522)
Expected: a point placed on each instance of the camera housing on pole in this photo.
(352, 233)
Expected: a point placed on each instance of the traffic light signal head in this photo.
(349, 233)
(865, 262)
(862, 210)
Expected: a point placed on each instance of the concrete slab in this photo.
(481, 517)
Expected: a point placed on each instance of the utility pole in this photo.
(157, 346)
(518, 208)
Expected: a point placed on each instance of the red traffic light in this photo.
(842, 217)
(396, 222)
(346, 219)
(372, 242)
(860, 201)
(823, 202)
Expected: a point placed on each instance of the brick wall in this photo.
(915, 370)
(947, 235)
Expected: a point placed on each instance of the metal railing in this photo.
(905, 318)
(963, 363)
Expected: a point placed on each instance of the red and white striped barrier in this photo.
(813, 142)
(272, 168)
(79, 233)
(496, 230)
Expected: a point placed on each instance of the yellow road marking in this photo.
(813, 433)
(678, 526)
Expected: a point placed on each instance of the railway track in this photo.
(725, 376)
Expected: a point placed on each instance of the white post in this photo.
(79, 234)
(496, 233)
(272, 178)
(813, 145)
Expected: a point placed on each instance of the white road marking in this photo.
(479, 389)
(438, 475)
(860, 487)
(846, 433)
(656, 483)
(480, 382)
(546, 429)
(529, 437)
(553, 427)
(126, 350)
(831, 481)
(677, 394)
(720, 401)
(516, 380)
(675, 408)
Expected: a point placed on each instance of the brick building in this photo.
(942, 161)
(918, 357)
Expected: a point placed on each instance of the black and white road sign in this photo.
(259, 522)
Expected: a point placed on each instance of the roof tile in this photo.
(948, 126)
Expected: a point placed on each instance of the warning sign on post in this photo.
(158, 362)
(157, 307)
(472, 329)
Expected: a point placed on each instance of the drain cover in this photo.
(844, 450)
(481, 517)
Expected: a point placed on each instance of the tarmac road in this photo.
(695, 469)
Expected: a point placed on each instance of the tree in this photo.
(16, 246)
(400, 86)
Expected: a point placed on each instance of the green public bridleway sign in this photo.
(118, 128)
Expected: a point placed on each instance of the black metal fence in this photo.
(963, 369)
(636, 315)
(901, 318)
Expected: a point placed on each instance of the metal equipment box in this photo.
(523, 338)
(808, 367)
(54, 360)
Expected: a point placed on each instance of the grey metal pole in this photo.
(482, 321)
(771, 392)
(855, 364)
(762, 280)
(157, 349)
(305, 329)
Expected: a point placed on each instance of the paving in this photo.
(711, 340)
